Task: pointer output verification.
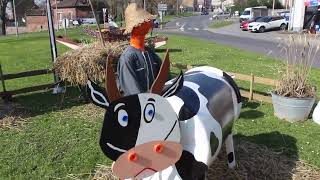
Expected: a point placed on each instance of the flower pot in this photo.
(292, 109)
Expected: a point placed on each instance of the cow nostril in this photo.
(133, 156)
(158, 148)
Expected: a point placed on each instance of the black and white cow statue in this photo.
(174, 131)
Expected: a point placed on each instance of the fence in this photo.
(248, 94)
(249, 78)
(7, 95)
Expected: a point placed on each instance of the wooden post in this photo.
(2, 79)
(251, 87)
(99, 29)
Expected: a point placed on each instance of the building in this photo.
(36, 20)
(71, 9)
(305, 14)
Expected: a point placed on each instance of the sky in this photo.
(39, 2)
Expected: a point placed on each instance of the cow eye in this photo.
(149, 112)
(123, 118)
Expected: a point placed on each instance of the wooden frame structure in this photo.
(248, 78)
(7, 95)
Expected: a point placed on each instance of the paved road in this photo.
(196, 26)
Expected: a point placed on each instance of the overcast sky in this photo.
(40, 2)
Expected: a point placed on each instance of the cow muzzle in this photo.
(146, 159)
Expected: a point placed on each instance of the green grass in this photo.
(30, 52)
(61, 137)
(169, 18)
(220, 24)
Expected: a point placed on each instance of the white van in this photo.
(252, 12)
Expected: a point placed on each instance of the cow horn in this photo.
(110, 82)
(162, 77)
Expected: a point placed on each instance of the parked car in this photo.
(205, 12)
(268, 23)
(245, 24)
(88, 21)
(222, 15)
(252, 12)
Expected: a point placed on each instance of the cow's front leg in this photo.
(230, 152)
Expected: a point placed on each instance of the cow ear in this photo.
(173, 88)
(96, 94)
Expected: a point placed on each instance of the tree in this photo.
(3, 18)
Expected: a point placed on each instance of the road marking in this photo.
(197, 29)
(177, 23)
(182, 27)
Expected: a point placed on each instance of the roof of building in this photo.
(36, 12)
(72, 3)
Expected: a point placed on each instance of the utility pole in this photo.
(177, 7)
(274, 2)
(57, 18)
(15, 17)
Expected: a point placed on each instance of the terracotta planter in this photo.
(292, 109)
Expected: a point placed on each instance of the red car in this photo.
(244, 25)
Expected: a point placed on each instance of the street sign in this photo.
(162, 7)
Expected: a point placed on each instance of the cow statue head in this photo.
(140, 132)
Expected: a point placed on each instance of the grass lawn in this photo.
(30, 52)
(169, 18)
(62, 136)
(220, 24)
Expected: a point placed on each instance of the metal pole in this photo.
(144, 4)
(15, 17)
(99, 29)
(57, 89)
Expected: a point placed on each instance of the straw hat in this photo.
(134, 16)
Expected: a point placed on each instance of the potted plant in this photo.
(294, 95)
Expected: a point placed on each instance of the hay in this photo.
(12, 116)
(88, 62)
(104, 172)
(253, 162)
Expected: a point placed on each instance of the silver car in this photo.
(222, 15)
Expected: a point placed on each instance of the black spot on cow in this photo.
(117, 135)
(191, 103)
(230, 157)
(214, 143)
(233, 85)
(219, 95)
(191, 169)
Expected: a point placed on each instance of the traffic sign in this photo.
(162, 7)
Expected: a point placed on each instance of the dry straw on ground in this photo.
(254, 163)
(301, 53)
(12, 116)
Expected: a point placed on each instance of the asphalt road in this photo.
(196, 26)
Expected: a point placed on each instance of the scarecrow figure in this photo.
(138, 66)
